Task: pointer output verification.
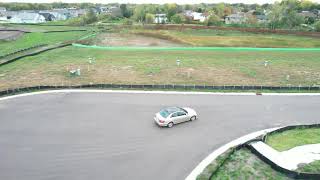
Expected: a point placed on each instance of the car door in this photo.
(182, 117)
(175, 118)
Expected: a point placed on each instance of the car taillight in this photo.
(161, 121)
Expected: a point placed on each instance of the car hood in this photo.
(190, 111)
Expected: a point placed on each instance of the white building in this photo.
(238, 18)
(198, 16)
(26, 17)
(195, 16)
(160, 18)
(2, 10)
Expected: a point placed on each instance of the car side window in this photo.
(174, 115)
(181, 113)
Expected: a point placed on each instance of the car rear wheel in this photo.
(170, 124)
(193, 118)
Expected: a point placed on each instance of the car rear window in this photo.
(164, 113)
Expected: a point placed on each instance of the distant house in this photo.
(4, 19)
(61, 14)
(74, 12)
(9, 14)
(195, 16)
(113, 10)
(308, 14)
(238, 18)
(201, 17)
(48, 16)
(2, 11)
(26, 17)
(160, 18)
(262, 18)
(103, 9)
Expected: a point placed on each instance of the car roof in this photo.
(174, 109)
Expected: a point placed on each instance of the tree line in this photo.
(284, 14)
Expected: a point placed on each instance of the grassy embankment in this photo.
(37, 36)
(219, 38)
(32, 39)
(296, 137)
(244, 165)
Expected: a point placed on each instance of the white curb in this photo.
(158, 92)
(211, 157)
(125, 92)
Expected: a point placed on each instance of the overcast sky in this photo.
(150, 1)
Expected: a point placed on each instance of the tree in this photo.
(317, 26)
(275, 16)
(90, 17)
(140, 13)
(149, 18)
(177, 19)
(284, 14)
(227, 11)
(212, 20)
(251, 19)
(125, 11)
(171, 10)
(306, 5)
(219, 9)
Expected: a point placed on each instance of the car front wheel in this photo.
(170, 124)
(193, 118)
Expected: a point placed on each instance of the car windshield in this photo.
(167, 111)
(164, 113)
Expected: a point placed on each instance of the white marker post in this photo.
(178, 62)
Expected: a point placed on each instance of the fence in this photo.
(157, 87)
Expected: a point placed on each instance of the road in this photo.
(81, 136)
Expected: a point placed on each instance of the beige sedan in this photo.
(174, 115)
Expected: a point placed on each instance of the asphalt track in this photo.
(95, 136)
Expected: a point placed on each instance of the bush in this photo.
(127, 22)
(88, 18)
(177, 19)
(317, 26)
(107, 18)
(149, 18)
(212, 20)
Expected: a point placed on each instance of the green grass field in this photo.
(218, 38)
(159, 67)
(245, 165)
(32, 39)
(296, 137)
(44, 27)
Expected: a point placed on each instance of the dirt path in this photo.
(116, 39)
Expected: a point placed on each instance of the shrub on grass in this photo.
(177, 19)
(317, 26)
(127, 22)
(149, 18)
(212, 20)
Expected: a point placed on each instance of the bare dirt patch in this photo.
(119, 39)
(10, 35)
